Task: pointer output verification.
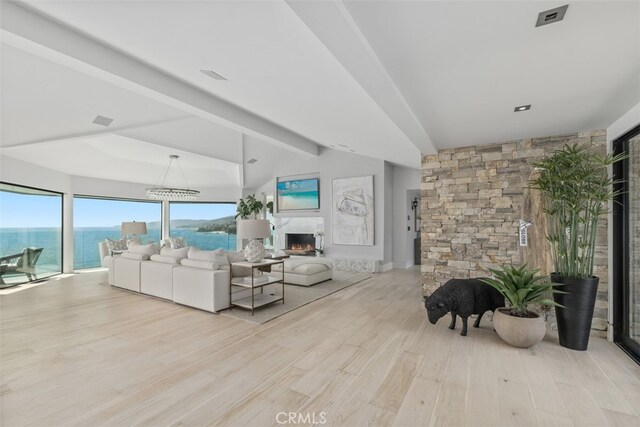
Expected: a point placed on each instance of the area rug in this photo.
(296, 297)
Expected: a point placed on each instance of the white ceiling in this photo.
(464, 66)
(387, 79)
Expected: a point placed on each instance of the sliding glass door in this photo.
(30, 234)
(627, 246)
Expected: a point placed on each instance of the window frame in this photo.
(115, 199)
(62, 238)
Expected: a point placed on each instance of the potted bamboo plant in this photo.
(576, 189)
(517, 324)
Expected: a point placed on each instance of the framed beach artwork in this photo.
(353, 211)
(298, 194)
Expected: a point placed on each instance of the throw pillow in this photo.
(194, 263)
(177, 242)
(116, 245)
(149, 249)
(165, 259)
(135, 240)
(218, 256)
(134, 256)
(178, 253)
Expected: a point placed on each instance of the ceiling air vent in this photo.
(552, 15)
(213, 74)
(252, 161)
(102, 120)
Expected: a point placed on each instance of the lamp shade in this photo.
(254, 229)
(134, 228)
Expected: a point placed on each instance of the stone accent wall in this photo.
(472, 201)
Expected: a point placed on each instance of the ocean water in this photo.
(298, 200)
(85, 243)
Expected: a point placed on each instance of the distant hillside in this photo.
(198, 223)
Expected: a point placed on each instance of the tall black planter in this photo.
(574, 319)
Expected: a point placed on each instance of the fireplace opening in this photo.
(300, 243)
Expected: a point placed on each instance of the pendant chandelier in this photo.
(169, 193)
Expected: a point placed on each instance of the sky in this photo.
(19, 210)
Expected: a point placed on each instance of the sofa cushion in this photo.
(135, 256)
(206, 265)
(218, 256)
(177, 242)
(166, 259)
(116, 245)
(150, 249)
(178, 253)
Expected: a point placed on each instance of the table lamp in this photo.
(253, 229)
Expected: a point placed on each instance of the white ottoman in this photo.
(305, 271)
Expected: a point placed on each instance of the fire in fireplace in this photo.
(300, 243)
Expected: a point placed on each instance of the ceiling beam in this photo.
(93, 133)
(31, 31)
(332, 24)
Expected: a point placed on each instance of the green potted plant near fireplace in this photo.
(521, 287)
(576, 189)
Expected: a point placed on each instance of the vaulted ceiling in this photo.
(384, 79)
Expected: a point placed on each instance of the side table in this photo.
(261, 299)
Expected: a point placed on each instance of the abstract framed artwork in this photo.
(353, 211)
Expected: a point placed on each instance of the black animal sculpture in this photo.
(462, 297)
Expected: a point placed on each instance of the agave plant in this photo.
(522, 287)
(576, 189)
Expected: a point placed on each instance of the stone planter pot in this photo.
(523, 332)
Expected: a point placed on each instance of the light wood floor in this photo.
(78, 353)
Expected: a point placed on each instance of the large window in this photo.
(205, 225)
(626, 245)
(30, 234)
(95, 219)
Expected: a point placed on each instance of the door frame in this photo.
(621, 243)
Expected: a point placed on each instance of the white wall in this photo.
(18, 172)
(107, 188)
(624, 124)
(328, 165)
(390, 185)
(388, 217)
(406, 184)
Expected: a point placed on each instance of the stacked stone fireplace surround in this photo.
(472, 201)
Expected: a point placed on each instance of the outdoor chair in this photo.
(24, 262)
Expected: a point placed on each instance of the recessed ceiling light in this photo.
(252, 161)
(522, 108)
(102, 120)
(212, 74)
(552, 15)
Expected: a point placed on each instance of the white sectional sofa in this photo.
(187, 276)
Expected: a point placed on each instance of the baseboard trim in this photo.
(385, 267)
